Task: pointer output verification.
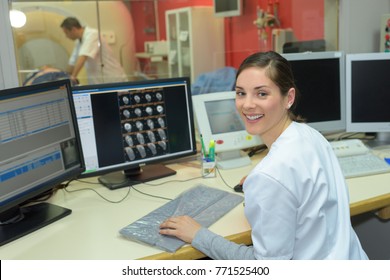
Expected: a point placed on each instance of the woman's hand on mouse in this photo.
(242, 180)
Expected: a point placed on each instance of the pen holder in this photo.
(209, 167)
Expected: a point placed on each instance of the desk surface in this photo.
(92, 230)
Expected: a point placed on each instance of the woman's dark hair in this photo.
(278, 69)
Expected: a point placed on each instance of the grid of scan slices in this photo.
(143, 122)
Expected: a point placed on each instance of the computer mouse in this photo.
(238, 188)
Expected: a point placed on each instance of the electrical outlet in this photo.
(109, 36)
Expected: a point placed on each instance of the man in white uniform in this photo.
(94, 54)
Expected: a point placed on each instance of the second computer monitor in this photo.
(368, 93)
(219, 121)
(320, 78)
(128, 127)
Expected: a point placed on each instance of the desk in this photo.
(92, 230)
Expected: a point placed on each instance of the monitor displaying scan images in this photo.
(129, 129)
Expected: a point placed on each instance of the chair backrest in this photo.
(222, 79)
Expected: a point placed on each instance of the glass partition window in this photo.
(165, 42)
(43, 49)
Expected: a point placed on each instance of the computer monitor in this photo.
(304, 46)
(127, 128)
(320, 78)
(368, 93)
(227, 8)
(40, 148)
(218, 120)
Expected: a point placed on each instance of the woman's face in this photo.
(261, 105)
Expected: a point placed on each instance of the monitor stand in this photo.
(232, 159)
(20, 221)
(135, 176)
(381, 139)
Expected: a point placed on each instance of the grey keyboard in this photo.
(362, 165)
(205, 204)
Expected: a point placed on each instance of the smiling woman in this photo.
(265, 95)
(297, 194)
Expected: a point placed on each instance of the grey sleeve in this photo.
(219, 248)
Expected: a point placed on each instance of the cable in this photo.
(47, 194)
(130, 187)
(257, 149)
(93, 190)
(166, 182)
(151, 195)
(65, 187)
(223, 180)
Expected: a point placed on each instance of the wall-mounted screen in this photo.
(227, 8)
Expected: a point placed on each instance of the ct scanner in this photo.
(41, 41)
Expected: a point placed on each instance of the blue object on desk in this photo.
(205, 204)
(222, 79)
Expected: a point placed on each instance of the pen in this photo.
(203, 148)
(212, 150)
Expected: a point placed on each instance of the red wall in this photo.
(305, 17)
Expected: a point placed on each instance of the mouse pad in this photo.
(205, 204)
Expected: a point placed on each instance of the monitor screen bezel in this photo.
(153, 160)
(362, 126)
(227, 13)
(30, 193)
(230, 139)
(331, 125)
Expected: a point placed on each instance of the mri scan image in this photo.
(138, 112)
(162, 134)
(141, 150)
(152, 148)
(125, 100)
(150, 123)
(162, 144)
(149, 110)
(129, 140)
(137, 99)
(126, 113)
(127, 126)
(140, 138)
(161, 122)
(130, 153)
(151, 136)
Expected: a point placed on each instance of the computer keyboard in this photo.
(356, 159)
(205, 204)
(362, 165)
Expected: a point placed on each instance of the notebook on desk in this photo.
(205, 204)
